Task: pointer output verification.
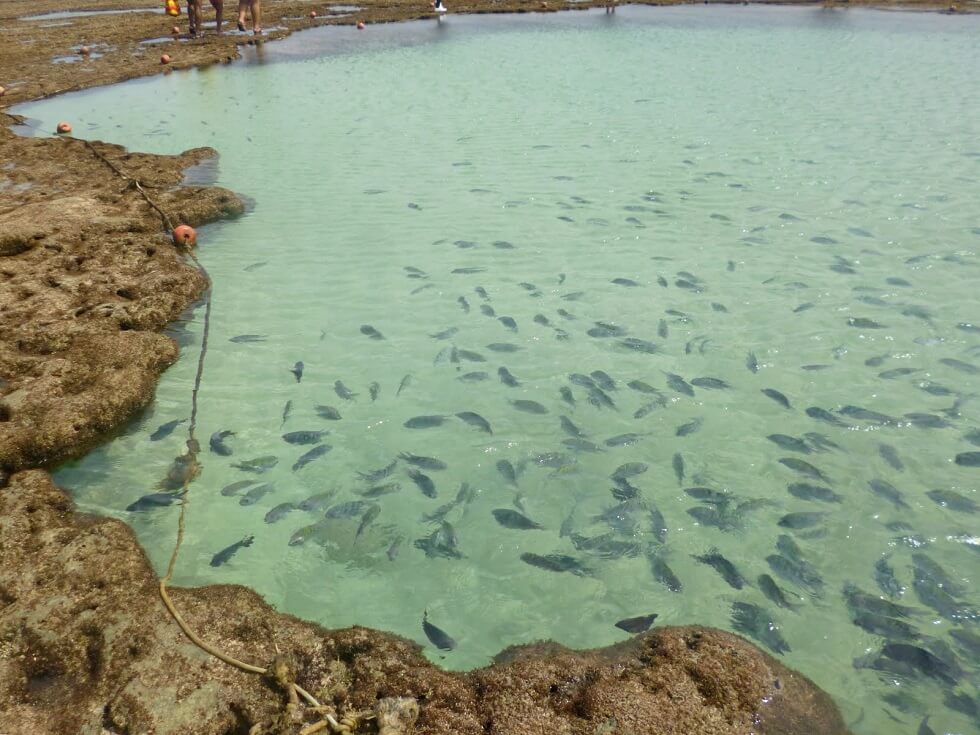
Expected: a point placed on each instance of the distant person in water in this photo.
(195, 16)
(255, 8)
(438, 6)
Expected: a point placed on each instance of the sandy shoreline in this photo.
(89, 279)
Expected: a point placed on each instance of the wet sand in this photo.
(89, 279)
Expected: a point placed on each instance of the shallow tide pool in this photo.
(646, 306)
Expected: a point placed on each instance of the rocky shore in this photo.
(88, 279)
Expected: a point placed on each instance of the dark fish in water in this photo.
(378, 490)
(756, 623)
(248, 338)
(630, 469)
(502, 347)
(897, 373)
(885, 578)
(658, 525)
(255, 494)
(710, 383)
(774, 592)
(556, 563)
(602, 330)
(297, 371)
(863, 323)
(664, 574)
(165, 430)
(343, 391)
(640, 345)
(423, 482)
(790, 443)
(677, 383)
(968, 640)
(963, 367)
(367, 519)
(507, 378)
(577, 444)
(646, 409)
(639, 624)
(599, 398)
(257, 465)
(918, 659)
(542, 320)
(442, 542)
(374, 390)
(798, 572)
(424, 422)
(474, 377)
(806, 491)
(931, 569)
(953, 500)
(566, 395)
(725, 568)
(641, 387)
(314, 530)
(327, 412)
(154, 501)
(304, 437)
(405, 382)
(507, 471)
(233, 488)
(623, 440)
(347, 509)
(603, 380)
(508, 322)
(690, 427)
(426, 463)
(889, 492)
(804, 468)
(529, 406)
(820, 442)
(279, 512)
(752, 363)
(394, 548)
(973, 437)
(487, 310)
(570, 428)
(886, 627)
(890, 455)
(927, 421)
(317, 502)
(864, 414)
(217, 443)
(802, 519)
(315, 453)
(777, 397)
(437, 636)
(924, 728)
(968, 459)
(225, 554)
(859, 601)
(475, 420)
(380, 474)
(677, 462)
(662, 330)
(624, 281)
(605, 546)
(368, 331)
(512, 519)
(286, 410)
(445, 334)
(583, 381)
(464, 304)
(821, 414)
(707, 495)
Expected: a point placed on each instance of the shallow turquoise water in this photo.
(763, 176)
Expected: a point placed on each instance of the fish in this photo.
(807, 491)
(394, 548)
(931, 569)
(424, 422)
(255, 494)
(953, 500)
(297, 371)
(623, 440)
(327, 412)
(512, 519)
(378, 490)
(777, 397)
(804, 468)
(528, 406)
(507, 471)
(165, 430)
(566, 395)
(864, 414)
(315, 453)
(474, 377)
(820, 414)
(225, 554)
(471, 356)
(153, 501)
(858, 601)
(677, 462)
(343, 391)
(602, 330)
(304, 437)
(927, 421)
(464, 304)
(286, 410)
(381, 473)
(689, 428)
(503, 347)
(886, 627)
(774, 592)
(639, 624)
(864, 323)
(802, 519)
(973, 437)
(968, 459)
(217, 443)
(248, 338)
(279, 512)
(257, 465)
(924, 728)
(890, 455)
(790, 443)
(640, 345)
(599, 398)
(482, 293)
(368, 331)
(578, 444)
(968, 640)
(723, 566)
(317, 502)
(487, 310)
(640, 387)
(233, 488)
(508, 322)
(677, 383)
(605, 546)
(445, 334)
(425, 463)
(897, 373)
(603, 380)
(885, 578)
(347, 509)
(710, 383)
(923, 661)
(475, 420)
(662, 330)
(313, 531)
(752, 363)
(442, 542)
(963, 367)
(423, 482)
(756, 623)
(374, 390)
(507, 378)
(556, 563)
(367, 519)
(664, 574)
(630, 469)
(437, 636)
(569, 427)
(625, 281)
(889, 492)
(403, 384)
(796, 571)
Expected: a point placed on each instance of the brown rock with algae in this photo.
(86, 646)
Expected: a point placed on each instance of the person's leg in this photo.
(242, 7)
(256, 15)
(219, 6)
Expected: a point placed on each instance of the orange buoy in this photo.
(175, 30)
(165, 59)
(63, 128)
(313, 14)
(360, 25)
(173, 8)
(185, 235)
(84, 50)
(3, 91)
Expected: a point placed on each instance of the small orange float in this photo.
(165, 59)
(313, 14)
(185, 235)
(360, 25)
(84, 50)
(175, 30)
(3, 91)
(63, 128)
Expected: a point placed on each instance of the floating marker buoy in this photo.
(360, 25)
(63, 128)
(175, 30)
(84, 50)
(165, 59)
(184, 235)
(3, 91)
(313, 14)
